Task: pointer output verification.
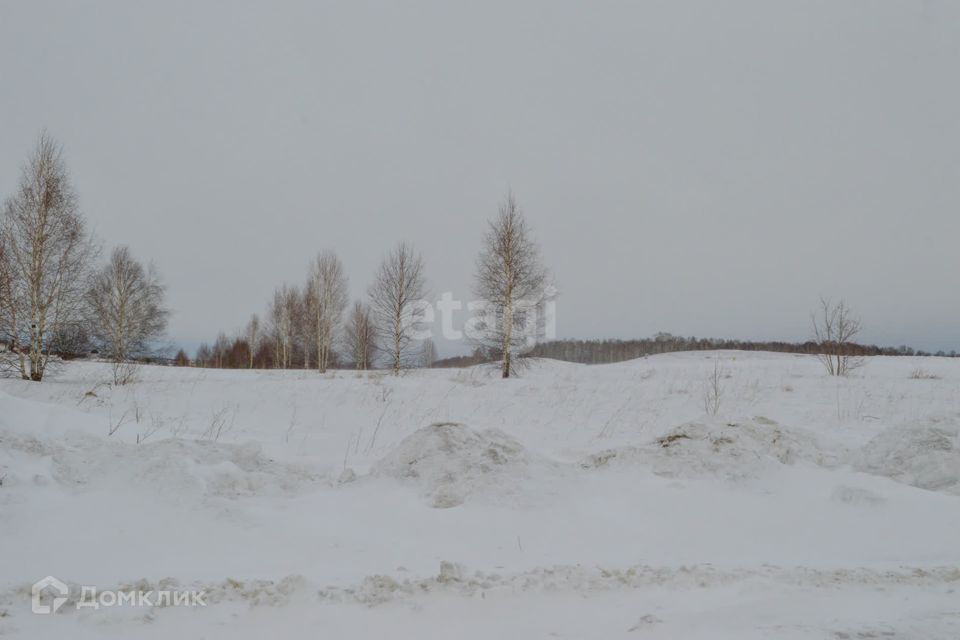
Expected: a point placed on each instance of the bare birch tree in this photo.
(281, 325)
(511, 281)
(428, 353)
(252, 335)
(7, 308)
(127, 312)
(47, 252)
(204, 356)
(221, 350)
(301, 340)
(834, 329)
(327, 299)
(398, 287)
(359, 336)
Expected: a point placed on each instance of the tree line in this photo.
(610, 351)
(309, 326)
(834, 329)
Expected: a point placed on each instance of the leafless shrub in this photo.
(385, 395)
(112, 427)
(156, 423)
(125, 373)
(834, 328)
(219, 424)
(922, 374)
(714, 388)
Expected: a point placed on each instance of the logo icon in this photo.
(53, 585)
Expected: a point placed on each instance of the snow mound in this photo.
(172, 467)
(734, 450)
(217, 469)
(452, 462)
(924, 455)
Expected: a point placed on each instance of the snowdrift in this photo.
(173, 467)
(924, 455)
(451, 462)
(731, 450)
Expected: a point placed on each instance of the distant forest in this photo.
(608, 351)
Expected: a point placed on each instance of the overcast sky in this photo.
(703, 168)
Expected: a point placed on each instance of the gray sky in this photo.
(705, 168)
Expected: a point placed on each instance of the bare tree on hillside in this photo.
(834, 329)
(512, 282)
(359, 336)
(47, 253)
(398, 287)
(327, 300)
(127, 312)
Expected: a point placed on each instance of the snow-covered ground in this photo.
(572, 502)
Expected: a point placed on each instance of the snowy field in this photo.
(573, 502)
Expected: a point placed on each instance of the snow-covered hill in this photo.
(574, 501)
